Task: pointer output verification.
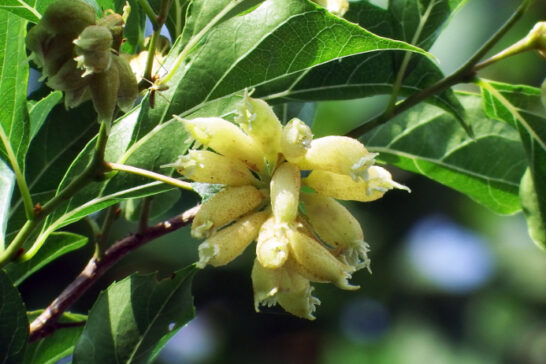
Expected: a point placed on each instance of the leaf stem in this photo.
(19, 175)
(94, 171)
(45, 324)
(157, 22)
(145, 209)
(150, 13)
(465, 73)
(153, 175)
(101, 239)
(406, 60)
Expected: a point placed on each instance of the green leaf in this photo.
(14, 126)
(131, 317)
(521, 106)
(426, 17)
(206, 190)
(39, 111)
(24, 9)
(201, 12)
(13, 322)
(59, 344)
(57, 244)
(133, 32)
(52, 150)
(160, 146)
(270, 42)
(430, 142)
(160, 204)
(7, 181)
(532, 210)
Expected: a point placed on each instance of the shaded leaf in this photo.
(13, 322)
(39, 111)
(130, 318)
(14, 126)
(57, 245)
(430, 142)
(59, 344)
(160, 204)
(7, 181)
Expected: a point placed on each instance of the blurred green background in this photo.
(451, 282)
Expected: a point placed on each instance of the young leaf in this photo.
(58, 345)
(13, 322)
(430, 142)
(7, 181)
(252, 50)
(57, 244)
(130, 318)
(14, 126)
(521, 107)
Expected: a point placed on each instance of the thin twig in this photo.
(465, 73)
(45, 324)
(101, 239)
(145, 208)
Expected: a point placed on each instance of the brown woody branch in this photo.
(46, 323)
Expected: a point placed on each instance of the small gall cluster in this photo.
(280, 190)
(80, 56)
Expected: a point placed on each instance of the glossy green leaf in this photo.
(14, 126)
(430, 142)
(57, 245)
(131, 317)
(39, 111)
(13, 322)
(59, 344)
(7, 181)
(521, 106)
(259, 48)
(354, 76)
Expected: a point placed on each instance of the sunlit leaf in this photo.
(521, 107)
(430, 142)
(14, 126)
(251, 50)
(7, 181)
